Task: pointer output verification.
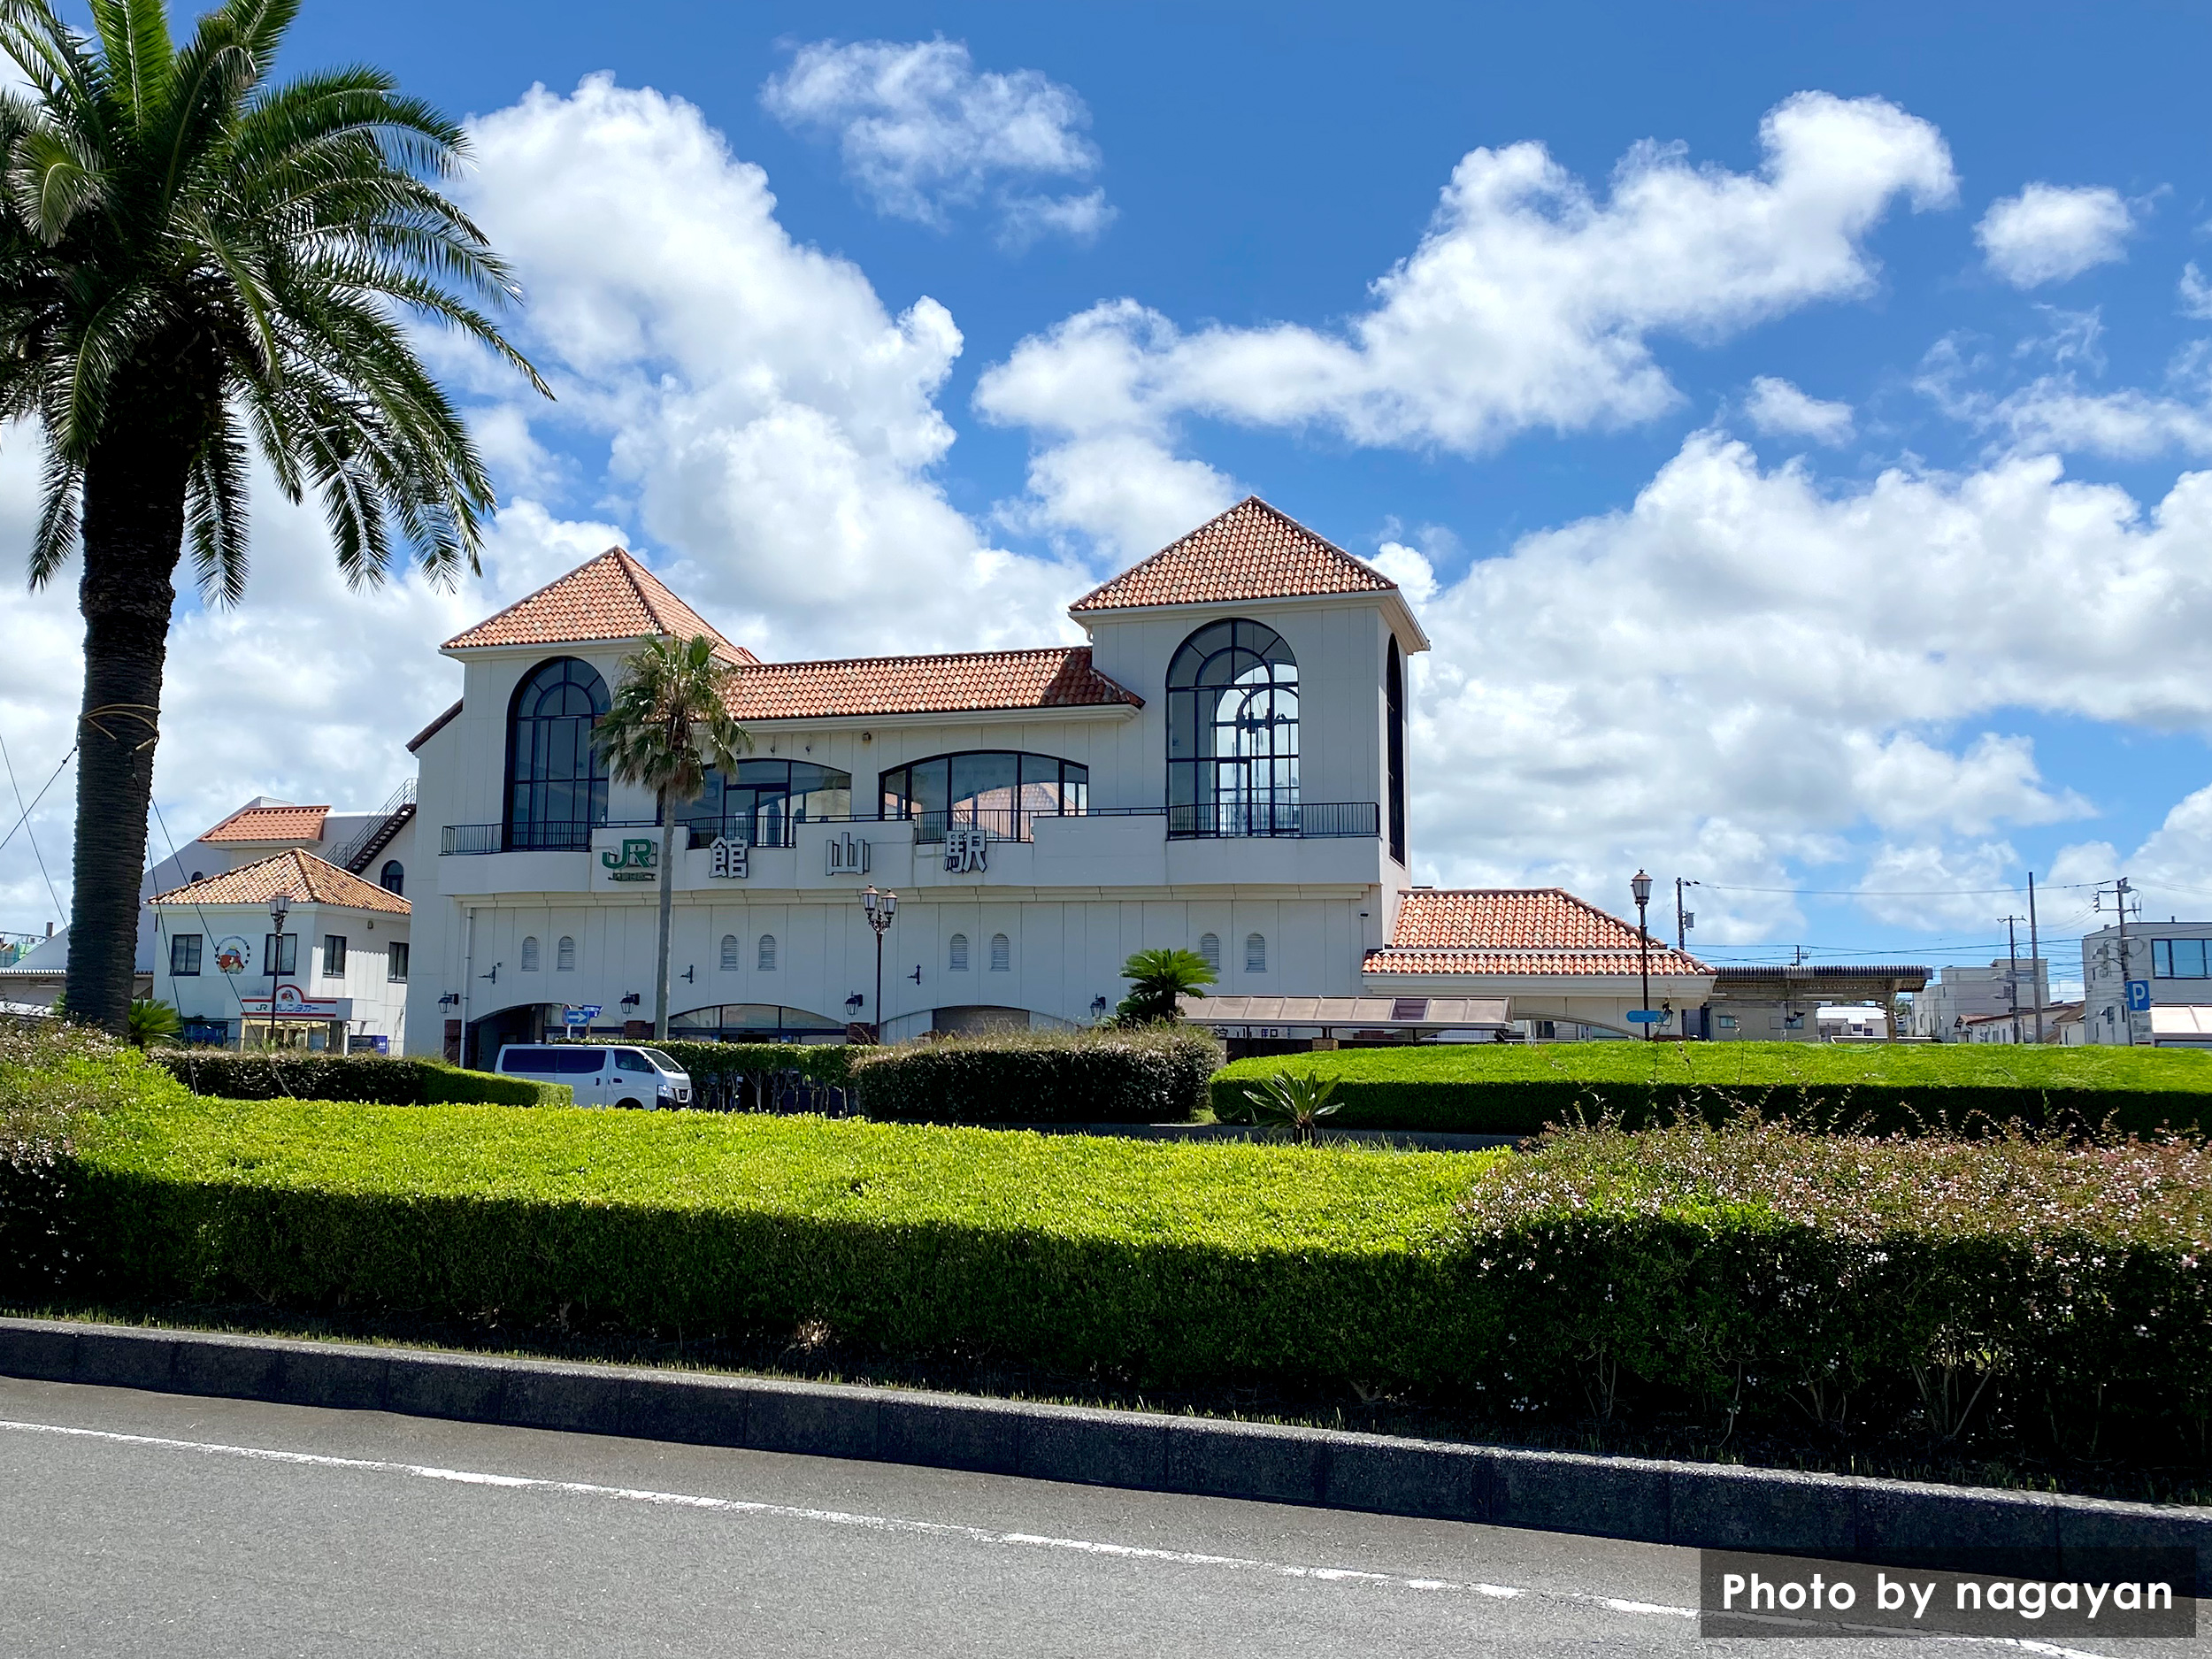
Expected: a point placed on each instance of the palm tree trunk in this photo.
(668, 896)
(132, 533)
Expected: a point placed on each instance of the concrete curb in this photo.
(1404, 1140)
(1695, 1505)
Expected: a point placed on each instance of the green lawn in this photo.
(1510, 1089)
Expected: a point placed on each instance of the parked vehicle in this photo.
(601, 1076)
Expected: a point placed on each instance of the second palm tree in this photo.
(669, 722)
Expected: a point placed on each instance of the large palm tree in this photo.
(668, 722)
(196, 263)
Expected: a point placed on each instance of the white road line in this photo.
(927, 1529)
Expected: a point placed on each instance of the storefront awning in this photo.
(1367, 1013)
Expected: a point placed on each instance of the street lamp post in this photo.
(880, 908)
(280, 904)
(1640, 884)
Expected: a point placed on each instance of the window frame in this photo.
(395, 963)
(1002, 954)
(333, 944)
(564, 954)
(1065, 793)
(1256, 953)
(537, 829)
(279, 954)
(957, 954)
(765, 954)
(532, 955)
(177, 952)
(1210, 792)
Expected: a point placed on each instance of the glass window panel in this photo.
(2161, 958)
(2189, 959)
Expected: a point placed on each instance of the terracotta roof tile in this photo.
(612, 597)
(251, 824)
(1251, 551)
(1057, 677)
(1515, 930)
(303, 876)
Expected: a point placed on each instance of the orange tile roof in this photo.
(1057, 677)
(251, 824)
(1251, 551)
(304, 876)
(612, 597)
(1515, 930)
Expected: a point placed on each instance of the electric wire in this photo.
(35, 799)
(60, 915)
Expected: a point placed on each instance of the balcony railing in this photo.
(1291, 820)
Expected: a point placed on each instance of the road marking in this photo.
(931, 1529)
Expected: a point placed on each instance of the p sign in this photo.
(2138, 997)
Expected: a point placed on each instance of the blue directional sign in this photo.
(2138, 997)
(582, 1016)
(1647, 1017)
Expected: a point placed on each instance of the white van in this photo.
(601, 1076)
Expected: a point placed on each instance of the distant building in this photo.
(1786, 1002)
(1962, 993)
(2174, 960)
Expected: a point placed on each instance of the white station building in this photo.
(1221, 768)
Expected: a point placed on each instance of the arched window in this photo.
(392, 877)
(556, 782)
(957, 954)
(1002, 953)
(1232, 733)
(761, 800)
(196, 876)
(1209, 950)
(530, 954)
(1256, 953)
(565, 956)
(729, 953)
(766, 960)
(1001, 789)
(1394, 701)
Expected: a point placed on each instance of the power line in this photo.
(35, 799)
(24, 824)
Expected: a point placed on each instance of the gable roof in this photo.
(611, 597)
(251, 824)
(297, 875)
(1055, 677)
(1515, 931)
(1252, 551)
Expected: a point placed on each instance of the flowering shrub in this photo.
(1761, 1268)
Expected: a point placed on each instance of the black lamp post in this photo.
(882, 907)
(279, 903)
(1640, 884)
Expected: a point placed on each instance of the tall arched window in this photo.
(530, 954)
(956, 954)
(1002, 954)
(392, 877)
(565, 956)
(766, 960)
(729, 953)
(1232, 733)
(1209, 950)
(1395, 711)
(556, 783)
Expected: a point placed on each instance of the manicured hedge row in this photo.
(1984, 1293)
(376, 1079)
(1156, 1076)
(1512, 1089)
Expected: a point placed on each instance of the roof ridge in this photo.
(1303, 539)
(664, 611)
(917, 656)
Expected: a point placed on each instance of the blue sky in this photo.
(1788, 461)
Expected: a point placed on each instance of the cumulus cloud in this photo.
(1778, 408)
(1531, 302)
(2055, 412)
(1748, 674)
(2049, 233)
(2195, 293)
(769, 422)
(923, 133)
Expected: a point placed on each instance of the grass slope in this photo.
(1510, 1089)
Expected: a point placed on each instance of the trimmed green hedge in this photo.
(1514, 1090)
(371, 1078)
(1968, 1292)
(1149, 1076)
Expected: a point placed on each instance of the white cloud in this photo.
(2049, 233)
(1778, 408)
(1745, 672)
(923, 133)
(2170, 871)
(1530, 301)
(2196, 294)
(2055, 412)
(767, 420)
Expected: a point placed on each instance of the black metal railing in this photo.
(1295, 820)
(755, 829)
(1001, 824)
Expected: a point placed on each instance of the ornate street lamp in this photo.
(880, 907)
(1640, 884)
(280, 904)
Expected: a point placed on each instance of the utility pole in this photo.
(2012, 974)
(1682, 919)
(2035, 960)
(2120, 890)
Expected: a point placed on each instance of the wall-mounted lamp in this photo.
(631, 1000)
(853, 1002)
(1098, 1008)
(451, 998)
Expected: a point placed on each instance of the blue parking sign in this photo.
(2138, 997)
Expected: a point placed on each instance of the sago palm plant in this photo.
(668, 722)
(1158, 980)
(198, 264)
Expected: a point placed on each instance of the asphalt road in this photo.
(153, 1524)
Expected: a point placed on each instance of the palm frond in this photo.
(215, 513)
(134, 36)
(57, 520)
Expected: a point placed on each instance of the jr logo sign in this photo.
(632, 861)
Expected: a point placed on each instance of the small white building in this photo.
(335, 978)
(1961, 994)
(2173, 960)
